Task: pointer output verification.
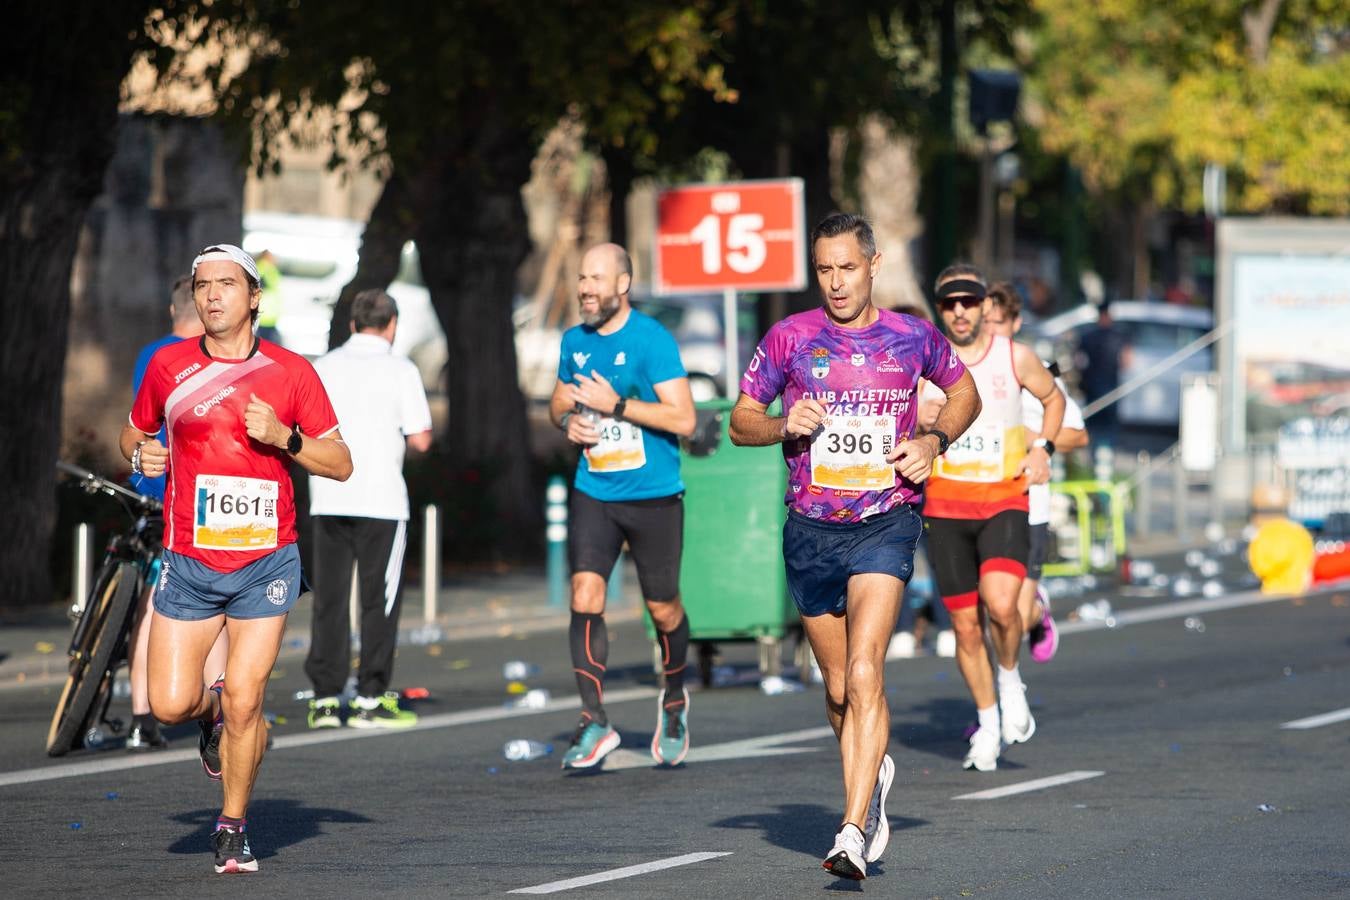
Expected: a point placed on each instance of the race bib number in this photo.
(849, 453)
(983, 454)
(231, 513)
(620, 448)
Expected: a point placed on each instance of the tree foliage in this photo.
(1141, 96)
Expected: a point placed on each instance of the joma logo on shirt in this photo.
(186, 372)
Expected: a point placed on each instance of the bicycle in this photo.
(103, 621)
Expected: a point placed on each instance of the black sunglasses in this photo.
(966, 301)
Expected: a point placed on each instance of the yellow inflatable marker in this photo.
(1281, 555)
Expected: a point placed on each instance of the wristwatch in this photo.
(1045, 444)
(943, 441)
(294, 442)
(619, 408)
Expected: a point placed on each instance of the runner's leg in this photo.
(873, 605)
(828, 636)
(137, 654)
(254, 644)
(176, 652)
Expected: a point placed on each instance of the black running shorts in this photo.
(964, 549)
(654, 530)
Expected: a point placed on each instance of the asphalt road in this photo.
(1174, 777)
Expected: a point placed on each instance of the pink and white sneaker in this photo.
(1044, 636)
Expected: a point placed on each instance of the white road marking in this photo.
(1172, 610)
(615, 874)
(1330, 718)
(743, 749)
(1023, 787)
(309, 738)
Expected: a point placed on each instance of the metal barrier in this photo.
(1116, 497)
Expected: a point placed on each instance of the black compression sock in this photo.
(674, 657)
(590, 653)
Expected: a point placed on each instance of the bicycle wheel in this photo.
(108, 616)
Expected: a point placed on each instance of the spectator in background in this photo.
(1102, 349)
(269, 309)
(145, 734)
(378, 395)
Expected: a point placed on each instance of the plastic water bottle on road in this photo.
(521, 750)
(519, 670)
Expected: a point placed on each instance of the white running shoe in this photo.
(846, 857)
(877, 829)
(1018, 723)
(945, 646)
(984, 749)
(902, 646)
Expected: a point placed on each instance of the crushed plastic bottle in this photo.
(534, 699)
(306, 694)
(1209, 568)
(1194, 558)
(772, 685)
(1183, 586)
(521, 750)
(1096, 611)
(1212, 588)
(519, 670)
(1142, 570)
(1195, 623)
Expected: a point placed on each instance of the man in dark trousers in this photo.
(378, 394)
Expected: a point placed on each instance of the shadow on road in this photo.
(803, 828)
(284, 822)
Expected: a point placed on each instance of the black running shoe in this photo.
(210, 743)
(145, 735)
(232, 852)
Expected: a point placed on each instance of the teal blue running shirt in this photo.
(632, 463)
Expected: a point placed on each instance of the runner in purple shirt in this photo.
(848, 374)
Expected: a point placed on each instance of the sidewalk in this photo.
(469, 606)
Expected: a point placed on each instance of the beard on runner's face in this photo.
(964, 327)
(603, 310)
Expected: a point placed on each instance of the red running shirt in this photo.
(228, 500)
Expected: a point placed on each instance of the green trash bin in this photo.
(731, 577)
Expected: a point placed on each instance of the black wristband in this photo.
(943, 441)
(619, 408)
(294, 443)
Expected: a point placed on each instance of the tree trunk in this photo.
(473, 238)
(393, 221)
(61, 91)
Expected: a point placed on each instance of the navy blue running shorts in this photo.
(821, 556)
(190, 591)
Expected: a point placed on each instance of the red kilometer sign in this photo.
(741, 236)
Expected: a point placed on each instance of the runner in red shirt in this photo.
(237, 410)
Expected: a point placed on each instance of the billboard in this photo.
(1284, 284)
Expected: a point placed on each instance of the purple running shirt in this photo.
(867, 380)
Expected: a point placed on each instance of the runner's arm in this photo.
(154, 455)
(752, 426)
(672, 411)
(420, 442)
(1035, 377)
(327, 457)
(962, 406)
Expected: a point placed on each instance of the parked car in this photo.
(317, 256)
(1153, 332)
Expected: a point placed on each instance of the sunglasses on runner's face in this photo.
(947, 304)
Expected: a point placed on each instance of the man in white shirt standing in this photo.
(379, 393)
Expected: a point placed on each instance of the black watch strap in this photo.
(619, 408)
(943, 441)
(294, 443)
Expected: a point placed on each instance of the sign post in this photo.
(738, 236)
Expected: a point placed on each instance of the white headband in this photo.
(227, 253)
